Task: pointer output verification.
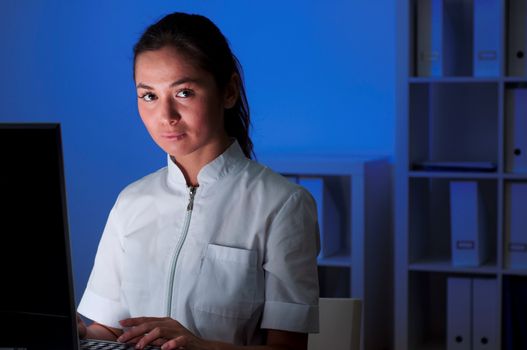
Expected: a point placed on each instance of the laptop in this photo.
(37, 304)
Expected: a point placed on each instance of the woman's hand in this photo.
(81, 327)
(165, 332)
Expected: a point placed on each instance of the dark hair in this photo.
(199, 39)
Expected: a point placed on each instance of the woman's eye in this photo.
(149, 97)
(184, 93)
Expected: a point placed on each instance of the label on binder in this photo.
(486, 38)
(468, 224)
(430, 38)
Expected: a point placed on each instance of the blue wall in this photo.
(320, 78)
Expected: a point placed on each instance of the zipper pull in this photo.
(191, 199)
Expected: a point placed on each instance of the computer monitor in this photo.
(37, 310)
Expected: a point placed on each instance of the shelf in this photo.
(325, 165)
(441, 121)
(515, 272)
(462, 105)
(464, 80)
(515, 80)
(452, 175)
(519, 177)
(432, 346)
(337, 260)
(429, 216)
(456, 80)
(445, 265)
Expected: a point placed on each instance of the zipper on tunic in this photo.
(184, 231)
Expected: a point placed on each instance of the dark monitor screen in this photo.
(36, 292)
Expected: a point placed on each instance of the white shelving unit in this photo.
(360, 188)
(450, 109)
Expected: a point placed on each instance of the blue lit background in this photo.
(320, 78)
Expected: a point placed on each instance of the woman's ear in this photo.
(232, 91)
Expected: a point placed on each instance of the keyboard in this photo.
(93, 344)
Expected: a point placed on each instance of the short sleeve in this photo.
(291, 278)
(101, 301)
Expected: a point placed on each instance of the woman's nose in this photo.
(169, 112)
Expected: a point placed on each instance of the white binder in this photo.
(459, 306)
(517, 34)
(486, 60)
(516, 140)
(516, 225)
(328, 215)
(469, 238)
(429, 38)
(485, 321)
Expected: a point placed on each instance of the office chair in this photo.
(340, 325)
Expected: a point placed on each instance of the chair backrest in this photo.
(340, 325)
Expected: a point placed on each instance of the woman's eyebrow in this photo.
(183, 80)
(143, 86)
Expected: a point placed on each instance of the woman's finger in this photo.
(176, 343)
(135, 321)
(132, 341)
(159, 342)
(144, 331)
(136, 332)
(130, 338)
(153, 334)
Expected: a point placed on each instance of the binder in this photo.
(517, 33)
(429, 38)
(516, 225)
(328, 215)
(458, 37)
(516, 140)
(459, 323)
(486, 38)
(485, 321)
(455, 166)
(469, 238)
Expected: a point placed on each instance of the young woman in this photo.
(213, 251)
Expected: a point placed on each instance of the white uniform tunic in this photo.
(238, 259)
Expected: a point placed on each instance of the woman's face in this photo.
(180, 105)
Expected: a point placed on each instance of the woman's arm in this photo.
(97, 331)
(170, 334)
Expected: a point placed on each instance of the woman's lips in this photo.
(173, 135)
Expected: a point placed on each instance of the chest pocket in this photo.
(227, 282)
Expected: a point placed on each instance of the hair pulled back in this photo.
(199, 39)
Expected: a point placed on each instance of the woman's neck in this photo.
(191, 164)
